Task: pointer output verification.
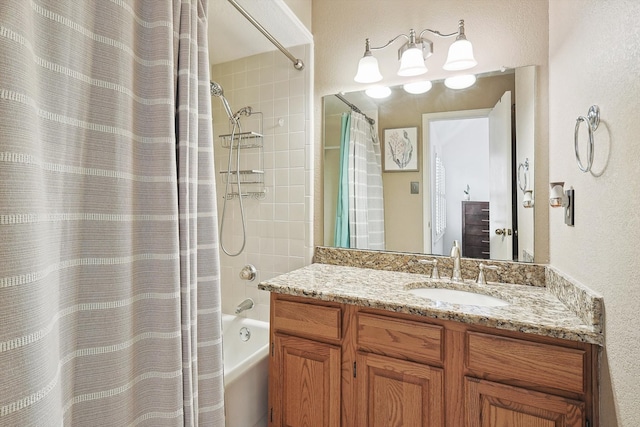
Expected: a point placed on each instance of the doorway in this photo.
(467, 157)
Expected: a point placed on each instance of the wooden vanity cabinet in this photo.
(342, 365)
(399, 377)
(490, 404)
(308, 374)
(305, 379)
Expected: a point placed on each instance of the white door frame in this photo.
(427, 118)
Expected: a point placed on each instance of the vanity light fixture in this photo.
(417, 88)
(414, 52)
(378, 92)
(462, 81)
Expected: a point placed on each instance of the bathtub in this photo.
(246, 371)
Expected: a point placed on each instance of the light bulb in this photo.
(460, 56)
(417, 88)
(460, 82)
(378, 92)
(368, 71)
(412, 62)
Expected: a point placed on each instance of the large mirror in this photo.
(472, 164)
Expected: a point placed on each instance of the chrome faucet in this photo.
(456, 273)
(244, 305)
(434, 270)
(481, 268)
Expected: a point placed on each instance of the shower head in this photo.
(216, 90)
(244, 111)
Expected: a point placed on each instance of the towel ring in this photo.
(592, 120)
(522, 183)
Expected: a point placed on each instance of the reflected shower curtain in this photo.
(109, 274)
(341, 234)
(366, 207)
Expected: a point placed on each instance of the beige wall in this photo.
(594, 58)
(503, 33)
(403, 223)
(302, 9)
(593, 53)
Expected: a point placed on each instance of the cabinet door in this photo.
(394, 393)
(305, 389)
(490, 404)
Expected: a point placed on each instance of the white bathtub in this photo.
(246, 371)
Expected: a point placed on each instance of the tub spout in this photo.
(244, 305)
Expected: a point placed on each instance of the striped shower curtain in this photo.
(341, 232)
(366, 206)
(109, 274)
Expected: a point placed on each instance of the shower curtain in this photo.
(109, 271)
(364, 185)
(341, 234)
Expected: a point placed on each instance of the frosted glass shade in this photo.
(368, 71)
(417, 88)
(460, 82)
(412, 62)
(460, 56)
(378, 92)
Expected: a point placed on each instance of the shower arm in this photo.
(297, 63)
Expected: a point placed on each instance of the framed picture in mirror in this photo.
(400, 150)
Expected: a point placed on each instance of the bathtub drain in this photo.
(245, 334)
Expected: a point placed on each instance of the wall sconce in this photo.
(558, 197)
(414, 52)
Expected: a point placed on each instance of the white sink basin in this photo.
(458, 297)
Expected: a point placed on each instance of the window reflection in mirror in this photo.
(408, 217)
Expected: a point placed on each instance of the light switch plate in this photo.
(569, 200)
(415, 187)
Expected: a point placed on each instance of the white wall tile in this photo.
(278, 227)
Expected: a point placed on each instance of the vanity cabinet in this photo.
(343, 365)
(308, 375)
(306, 360)
(394, 392)
(399, 379)
(490, 404)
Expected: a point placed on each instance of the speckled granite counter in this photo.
(531, 309)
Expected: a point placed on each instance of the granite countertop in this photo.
(531, 309)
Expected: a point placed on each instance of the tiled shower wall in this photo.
(279, 227)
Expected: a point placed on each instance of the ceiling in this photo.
(232, 36)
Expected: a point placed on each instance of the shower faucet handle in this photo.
(248, 272)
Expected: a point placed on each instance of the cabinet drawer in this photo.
(526, 363)
(307, 319)
(477, 219)
(400, 338)
(477, 230)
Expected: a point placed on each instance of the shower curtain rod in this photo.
(297, 63)
(356, 109)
